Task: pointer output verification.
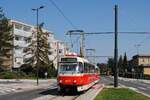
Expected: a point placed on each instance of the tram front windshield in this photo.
(68, 67)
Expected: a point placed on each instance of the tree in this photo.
(38, 51)
(6, 39)
(110, 64)
(120, 65)
(103, 68)
(125, 64)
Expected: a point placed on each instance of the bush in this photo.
(146, 77)
(8, 75)
(16, 75)
(26, 68)
(52, 72)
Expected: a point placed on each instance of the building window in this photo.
(148, 59)
(17, 37)
(60, 50)
(18, 47)
(18, 26)
(27, 40)
(143, 59)
(50, 53)
(27, 28)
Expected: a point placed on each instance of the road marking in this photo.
(142, 88)
(148, 87)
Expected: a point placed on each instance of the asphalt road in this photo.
(137, 85)
(50, 92)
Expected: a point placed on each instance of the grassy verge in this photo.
(120, 94)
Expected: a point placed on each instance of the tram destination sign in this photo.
(68, 59)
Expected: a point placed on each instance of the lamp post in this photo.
(37, 36)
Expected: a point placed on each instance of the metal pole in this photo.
(37, 57)
(57, 53)
(116, 48)
(37, 33)
(82, 45)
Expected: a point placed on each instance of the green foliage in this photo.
(5, 39)
(110, 65)
(31, 72)
(103, 68)
(120, 94)
(9, 75)
(26, 69)
(38, 49)
(125, 62)
(52, 72)
(146, 77)
(16, 75)
(120, 66)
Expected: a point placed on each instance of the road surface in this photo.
(50, 92)
(44, 92)
(134, 84)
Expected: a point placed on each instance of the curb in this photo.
(98, 92)
(91, 93)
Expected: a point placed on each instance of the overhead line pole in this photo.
(116, 48)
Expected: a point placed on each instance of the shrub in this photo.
(26, 68)
(8, 75)
(146, 77)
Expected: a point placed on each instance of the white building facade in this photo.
(22, 37)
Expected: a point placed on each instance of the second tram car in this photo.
(76, 73)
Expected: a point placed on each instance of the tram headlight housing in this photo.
(74, 81)
(60, 81)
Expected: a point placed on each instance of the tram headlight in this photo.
(74, 81)
(60, 81)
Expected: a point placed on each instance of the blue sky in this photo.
(90, 16)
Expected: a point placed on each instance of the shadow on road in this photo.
(55, 92)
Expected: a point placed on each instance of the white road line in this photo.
(148, 87)
(142, 88)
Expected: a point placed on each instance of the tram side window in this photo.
(85, 68)
(92, 69)
(80, 67)
(88, 68)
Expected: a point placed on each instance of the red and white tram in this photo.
(76, 73)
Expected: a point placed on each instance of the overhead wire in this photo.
(71, 23)
(61, 12)
(140, 43)
(66, 18)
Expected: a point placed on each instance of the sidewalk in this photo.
(131, 79)
(12, 85)
(24, 80)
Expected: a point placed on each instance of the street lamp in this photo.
(37, 54)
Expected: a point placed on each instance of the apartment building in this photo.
(141, 63)
(22, 33)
